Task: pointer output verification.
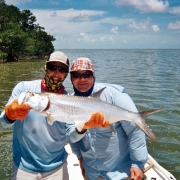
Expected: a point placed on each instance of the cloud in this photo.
(68, 22)
(114, 30)
(15, 2)
(81, 17)
(54, 2)
(115, 21)
(175, 10)
(155, 28)
(145, 6)
(174, 25)
(141, 26)
(144, 25)
(102, 38)
(71, 14)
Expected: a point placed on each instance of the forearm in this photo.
(76, 150)
(4, 121)
(138, 149)
(137, 144)
(72, 134)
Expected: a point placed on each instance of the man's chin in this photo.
(82, 88)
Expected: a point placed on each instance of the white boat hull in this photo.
(153, 171)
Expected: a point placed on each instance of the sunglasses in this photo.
(81, 75)
(52, 67)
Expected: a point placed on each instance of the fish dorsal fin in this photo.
(98, 93)
(145, 114)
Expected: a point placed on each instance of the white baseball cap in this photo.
(58, 57)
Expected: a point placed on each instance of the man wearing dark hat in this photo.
(38, 148)
(103, 154)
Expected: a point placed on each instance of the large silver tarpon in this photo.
(78, 110)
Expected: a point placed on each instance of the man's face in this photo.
(82, 80)
(56, 70)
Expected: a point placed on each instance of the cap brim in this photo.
(57, 61)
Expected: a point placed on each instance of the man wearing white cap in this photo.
(103, 154)
(38, 148)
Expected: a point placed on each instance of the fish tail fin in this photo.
(145, 114)
(142, 124)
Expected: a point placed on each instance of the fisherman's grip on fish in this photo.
(78, 110)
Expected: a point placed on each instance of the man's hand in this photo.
(15, 111)
(136, 174)
(96, 120)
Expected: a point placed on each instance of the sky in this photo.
(108, 24)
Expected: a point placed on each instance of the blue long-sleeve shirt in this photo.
(109, 154)
(36, 145)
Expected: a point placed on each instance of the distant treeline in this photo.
(20, 36)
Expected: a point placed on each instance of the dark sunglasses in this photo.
(52, 67)
(81, 75)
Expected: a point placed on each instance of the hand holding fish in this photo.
(15, 111)
(96, 120)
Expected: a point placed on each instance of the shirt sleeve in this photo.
(72, 134)
(137, 144)
(4, 121)
(76, 150)
(15, 94)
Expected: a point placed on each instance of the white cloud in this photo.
(15, 2)
(114, 30)
(175, 10)
(102, 38)
(53, 2)
(67, 22)
(141, 26)
(81, 17)
(82, 34)
(115, 21)
(155, 28)
(144, 25)
(174, 25)
(144, 5)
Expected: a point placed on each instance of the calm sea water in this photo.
(151, 78)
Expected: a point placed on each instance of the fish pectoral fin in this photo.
(111, 128)
(50, 120)
(79, 125)
(98, 93)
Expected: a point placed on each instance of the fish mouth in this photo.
(35, 101)
(23, 97)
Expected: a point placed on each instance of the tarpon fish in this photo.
(78, 110)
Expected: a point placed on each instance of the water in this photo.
(151, 78)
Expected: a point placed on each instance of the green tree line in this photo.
(20, 36)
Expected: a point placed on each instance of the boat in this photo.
(153, 170)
